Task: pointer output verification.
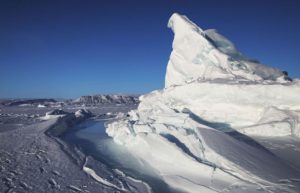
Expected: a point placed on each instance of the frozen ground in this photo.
(31, 161)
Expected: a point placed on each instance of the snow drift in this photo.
(194, 131)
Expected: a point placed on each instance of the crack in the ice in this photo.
(208, 187)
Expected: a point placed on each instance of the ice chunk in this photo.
(83, 113)
(199, 54)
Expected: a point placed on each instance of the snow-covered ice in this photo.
(35, 158)
(195, 132)
(56, 113)
(206, 54)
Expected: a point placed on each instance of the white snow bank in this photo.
(187, 131)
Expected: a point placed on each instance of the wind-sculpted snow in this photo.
(194, 131)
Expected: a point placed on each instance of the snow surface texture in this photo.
(191, 131)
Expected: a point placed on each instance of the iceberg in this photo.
(196, 133)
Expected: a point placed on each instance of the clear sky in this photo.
(68, 48)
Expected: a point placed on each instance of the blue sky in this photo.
(69, 48)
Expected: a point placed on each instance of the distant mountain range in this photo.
(26, 102)
(107, 99)
(86, 100)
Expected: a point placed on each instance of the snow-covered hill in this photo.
(195, 132)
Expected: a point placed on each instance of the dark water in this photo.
(93, 141)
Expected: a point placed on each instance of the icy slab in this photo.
(195, 132)
(206, 54)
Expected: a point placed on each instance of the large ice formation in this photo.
(195, 132)
(207, 55)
